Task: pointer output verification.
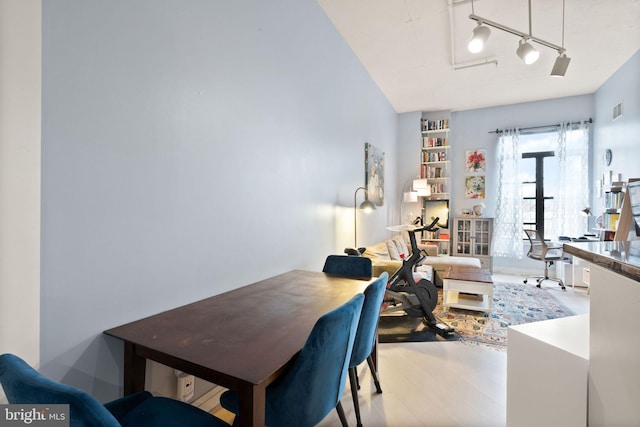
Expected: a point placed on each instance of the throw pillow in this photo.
(402, 246)
(393, 250)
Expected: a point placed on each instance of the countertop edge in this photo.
(610, 262)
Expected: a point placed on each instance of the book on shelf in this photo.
(437, 187)
(613, 200)
(610, 220)
(427, 125)
(435, 156)
(428, 142)
(431, 235)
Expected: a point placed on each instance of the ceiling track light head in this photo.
(527, 52)
(479, 38)
(560, 66)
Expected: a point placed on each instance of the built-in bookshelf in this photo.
(435, 167)
(613, 196)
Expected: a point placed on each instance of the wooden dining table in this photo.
(241, 340)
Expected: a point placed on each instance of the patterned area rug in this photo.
(513, 304)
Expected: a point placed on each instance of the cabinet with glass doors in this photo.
(472, 238)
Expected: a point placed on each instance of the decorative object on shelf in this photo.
(608, 156)
(475, 160)
(474, 187)
(525, 50)
(374, 174)
(478, 210)
(366, 206)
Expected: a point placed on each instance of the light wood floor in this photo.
(439, 384)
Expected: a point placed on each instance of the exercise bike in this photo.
(403, 293)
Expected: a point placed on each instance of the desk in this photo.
(242, 339)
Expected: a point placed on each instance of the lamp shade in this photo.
(410, 196)
(585, 211)
(479, 38)
(560, 66)
(527, 53)
(367, 206)
(421, 186)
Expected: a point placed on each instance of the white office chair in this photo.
(539, 250)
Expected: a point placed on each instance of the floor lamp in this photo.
(366, 205)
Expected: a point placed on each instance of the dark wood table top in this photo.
(246, 335)
(469, 274)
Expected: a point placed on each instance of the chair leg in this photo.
(343, 418)
(353, 378)
(374, 374)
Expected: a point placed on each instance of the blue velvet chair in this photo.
(312, 386)
(366, 337)
(24, 385)
(353, 266)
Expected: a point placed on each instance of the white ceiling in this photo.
(406, 46)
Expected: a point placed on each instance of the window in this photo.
(543, 182)
(539, 176)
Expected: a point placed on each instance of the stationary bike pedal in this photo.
(441, 329)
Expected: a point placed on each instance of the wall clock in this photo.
(607, 157)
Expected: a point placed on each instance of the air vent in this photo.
(617, 111)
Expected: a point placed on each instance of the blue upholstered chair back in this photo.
(366, 334)
(314, 384)
(344, 265)
(24, 385)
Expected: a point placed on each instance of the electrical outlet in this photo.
(186, 387)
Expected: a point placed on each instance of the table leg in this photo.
(252, 406)
(134, 370)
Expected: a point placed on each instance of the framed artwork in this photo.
(374, 174)
(474, 187)
(475, 160)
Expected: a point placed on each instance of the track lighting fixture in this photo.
(527, 53)
(560, 66)
(525, 50)
(479, 39)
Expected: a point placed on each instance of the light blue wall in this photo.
(190, 147)
(622, 135)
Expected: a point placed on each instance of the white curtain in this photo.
(508, 228)
(573, 173)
